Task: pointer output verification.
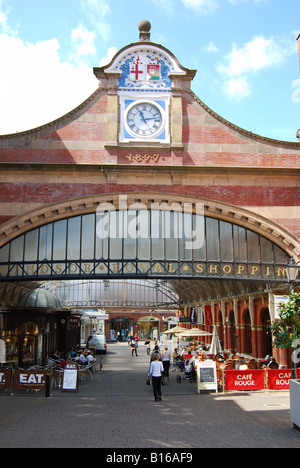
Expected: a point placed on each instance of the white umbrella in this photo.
(215, 347)
(176, 329)
(195, 332)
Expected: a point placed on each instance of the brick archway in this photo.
(83, 205)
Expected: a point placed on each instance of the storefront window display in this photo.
(11, 350)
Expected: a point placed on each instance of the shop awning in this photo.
(94, 314)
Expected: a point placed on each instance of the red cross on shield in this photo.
(137, 72)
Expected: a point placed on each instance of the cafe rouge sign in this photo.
(143, 269)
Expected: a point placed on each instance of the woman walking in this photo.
(155, 372)
(166, 358)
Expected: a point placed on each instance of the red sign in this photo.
(5, 379)
(249, 379)
(278, 379)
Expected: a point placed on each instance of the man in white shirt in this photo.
(90, 358)
(155, 372)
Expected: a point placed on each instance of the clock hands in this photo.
(142, 116)
(144, 119)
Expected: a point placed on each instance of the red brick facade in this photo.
(73, 158)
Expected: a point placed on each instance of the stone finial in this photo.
(144, 28)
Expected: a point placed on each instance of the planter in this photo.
(295, 402)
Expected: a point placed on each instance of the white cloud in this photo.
(237, 88)
(296, 93)
(96, 11)
(239, 2)
(109, 56)
(201, 6)
(3, 15)
(83, 42)
(241, 64)
(255, 55)
(36, 86)
(211, 48)
(167, 5)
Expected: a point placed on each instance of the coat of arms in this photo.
(153, 71)
(144, 70)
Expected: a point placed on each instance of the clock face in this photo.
(144, 120)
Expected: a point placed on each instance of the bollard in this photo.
(48, 382)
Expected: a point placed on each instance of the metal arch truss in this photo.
(151, 294)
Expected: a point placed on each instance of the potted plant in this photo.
(286, 334)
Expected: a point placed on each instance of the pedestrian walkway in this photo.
(117, 410)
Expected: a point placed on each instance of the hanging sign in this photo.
(208, 315)
(206, 376)
(192, 315)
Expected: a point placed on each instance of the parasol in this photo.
(176, 329)
(215, 347)
(194, 332)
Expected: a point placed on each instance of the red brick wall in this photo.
(209, 143)
(238, 195)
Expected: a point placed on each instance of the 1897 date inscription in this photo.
(143, 157)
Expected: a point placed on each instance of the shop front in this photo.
(29, 333)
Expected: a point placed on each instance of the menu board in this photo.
(70, 380)
(206, 376)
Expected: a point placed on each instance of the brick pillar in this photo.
(255, 352)
(285, 357)
(260, 344)
(240, 341)
(107, 329)
(229, 342)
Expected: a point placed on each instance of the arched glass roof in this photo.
(141, 244)
(114, 293)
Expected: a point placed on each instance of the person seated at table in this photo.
(77, 358)
(241, 365)
(90, 357)
(198, 359)
(273, 364)
(64, 361)
(266, 361)
(178, 359)
(56, 356)
(187, 355)
(82, 357)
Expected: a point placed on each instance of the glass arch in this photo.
(145, 243)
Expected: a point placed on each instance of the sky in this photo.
(244, 51)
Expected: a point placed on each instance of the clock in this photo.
(144, 119)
